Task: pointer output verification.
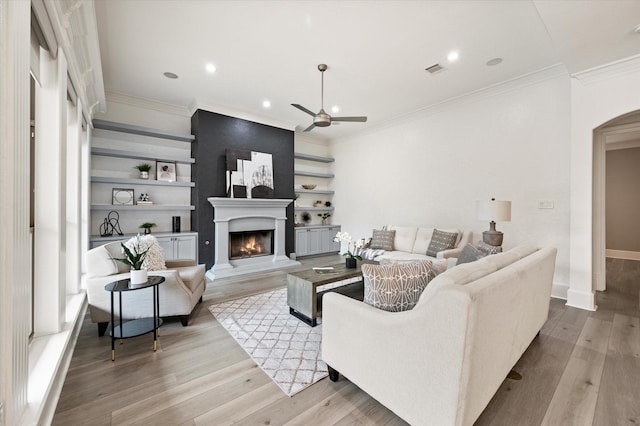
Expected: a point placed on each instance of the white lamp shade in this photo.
(493, 210)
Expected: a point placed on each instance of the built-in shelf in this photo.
(138, 155)
(142, 208)
(310, 157)
(151, 182)
(139, 130)
(116, 237)
(313, 174)
(315, 191)
(317, 209)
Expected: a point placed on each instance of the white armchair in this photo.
(179, 294)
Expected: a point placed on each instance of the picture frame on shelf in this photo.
(122, 196)
(166, 171)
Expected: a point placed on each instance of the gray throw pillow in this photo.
(469, 254)
(382, 240)
(488, 249)
(441, 240)
(395, 287)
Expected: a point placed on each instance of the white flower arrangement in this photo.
(352, 245)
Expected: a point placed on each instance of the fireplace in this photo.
(249, 236)
(250, 244)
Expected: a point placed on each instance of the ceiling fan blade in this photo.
(301, 108)
(308, 129)
(358, 119)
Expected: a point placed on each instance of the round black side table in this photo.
(140, 326)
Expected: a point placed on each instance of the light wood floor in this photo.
(584, 369)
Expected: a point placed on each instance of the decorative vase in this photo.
(144, 175)
(325, 221)
(351, 263)
(138, 276)
(147, 231)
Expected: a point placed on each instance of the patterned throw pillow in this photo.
(441, 240)
(396, 287)
(488, 249)
(469, 254)
(155, 258)
(382, 240)
(368, 253)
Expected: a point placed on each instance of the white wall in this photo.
(511, 143)
(597, 96)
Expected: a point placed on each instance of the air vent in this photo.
(434, 68)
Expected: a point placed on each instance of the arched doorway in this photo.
(620, 133)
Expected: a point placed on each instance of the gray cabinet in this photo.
(179, 246)
(312, 240)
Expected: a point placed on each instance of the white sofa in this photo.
(179, 294)
(441, 362)
(412, 242)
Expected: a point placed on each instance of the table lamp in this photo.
(493, 211)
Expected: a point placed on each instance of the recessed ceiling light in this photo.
(335, 109)
(170, 75)
(210, 68)
(452, 56)
(266, 103)
(494, 61)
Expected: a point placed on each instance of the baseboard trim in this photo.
(559, 291)
(581, 299)
(623, 254)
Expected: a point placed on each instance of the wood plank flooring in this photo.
(583, 369)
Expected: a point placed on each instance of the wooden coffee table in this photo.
(303, 298)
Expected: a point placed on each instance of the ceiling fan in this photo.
(322, 119)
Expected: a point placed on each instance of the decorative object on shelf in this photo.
(325, 218)
(175, 223)
(144, 168)
(122, 196)
(134, 258)
(249, 174)
(144, 200)
(352, 246)
(295, 199)
(166, 171)
(318, 203)
(305, 217)
(110, 225)
(493, 210)
(327, 203)
(309, 186)
(147, 227)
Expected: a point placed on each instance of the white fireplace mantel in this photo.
(248, 214)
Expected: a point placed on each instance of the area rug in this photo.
(287, 349)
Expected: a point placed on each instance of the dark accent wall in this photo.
(215, 133)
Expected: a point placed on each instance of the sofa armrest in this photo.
(403, 359)
(445, 254)
(179, 263)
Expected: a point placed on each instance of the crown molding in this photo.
(145, 103)
(238, 113)
(529, 79)
(611, 70)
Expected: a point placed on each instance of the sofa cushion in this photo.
(382, 239)
(395, 287)
(405, 238)
(469, 254)
(441, 240)
(488, 249)
(115, 251)
(423, 238)
(100, 263)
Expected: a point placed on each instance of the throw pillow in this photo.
(382, 240)
(469, 254)
(368, 253)
(488, 249)
(154, 261)
(441, 240)
(396, 287)
(100, 263)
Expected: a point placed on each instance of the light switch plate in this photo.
(545, 204)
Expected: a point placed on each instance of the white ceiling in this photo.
(377, 51)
